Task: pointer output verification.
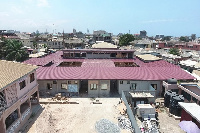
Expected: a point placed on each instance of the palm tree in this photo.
(2, 48)
(15, 51)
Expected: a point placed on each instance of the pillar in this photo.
(2, 125)
(38, 97)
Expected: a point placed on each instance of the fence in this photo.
(130, 114)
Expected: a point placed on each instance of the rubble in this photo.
(125, 123)
(106, 126)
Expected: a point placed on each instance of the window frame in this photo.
(133, 87)
(32, 77)
(93, 86)
(156, 86)
(121, 82)
(23, 85)
(50, 86)
(104, 88)
(65, 86)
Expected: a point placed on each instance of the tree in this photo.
(34, 44)
(2, 48)
(15, 51)
(184, 39)
(174, 51)
(125, 39)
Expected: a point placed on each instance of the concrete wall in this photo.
(141, 85)
(13, 92)
(55, 87)
(100, 91)
(55, 44)
(28, 87)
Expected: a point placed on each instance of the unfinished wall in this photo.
(11, 94)
(103, 88)
(56, 86)
(29, 86)
(140, 85)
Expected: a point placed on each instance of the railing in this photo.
(130, 114)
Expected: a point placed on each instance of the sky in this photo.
(167, 17)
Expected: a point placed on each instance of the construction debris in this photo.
(106, 126)
(125, 123)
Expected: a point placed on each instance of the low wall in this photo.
(130, 114)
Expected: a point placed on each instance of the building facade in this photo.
(18, 91)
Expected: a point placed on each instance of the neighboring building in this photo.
(190, 91)
(18, 93)
(100, 72)
(193, 36)
(190, 112)
(180, 45)
(143, 34)
(55, 43)
(104, 45)
(141, 43)
(102, 35)
(159, 36)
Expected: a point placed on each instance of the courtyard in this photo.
(75, 118)
(82, 115)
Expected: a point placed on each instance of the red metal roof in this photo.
(123, 73)
(105, 69)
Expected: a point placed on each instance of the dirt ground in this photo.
(75, 118)
(167, 124)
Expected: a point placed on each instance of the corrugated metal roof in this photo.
(120, 73)
(105, 69)
(11, 71)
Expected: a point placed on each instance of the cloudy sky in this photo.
(168, 17)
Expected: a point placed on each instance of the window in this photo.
(22, 84)
(32, 77)
(93, 86)
(133, 86)
(121, 82)
(73, 82)
(63, 86)
(49, 86)
(128, 82)
(104, 86)
(54, 82)
(154, 86)
(194, 99)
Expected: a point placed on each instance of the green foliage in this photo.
(2, 48)
(182, 38)
(45, 45)
(174, 51)
(14, 51)
(34, 44)
(125, 39)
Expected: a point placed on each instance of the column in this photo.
(38, 97)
